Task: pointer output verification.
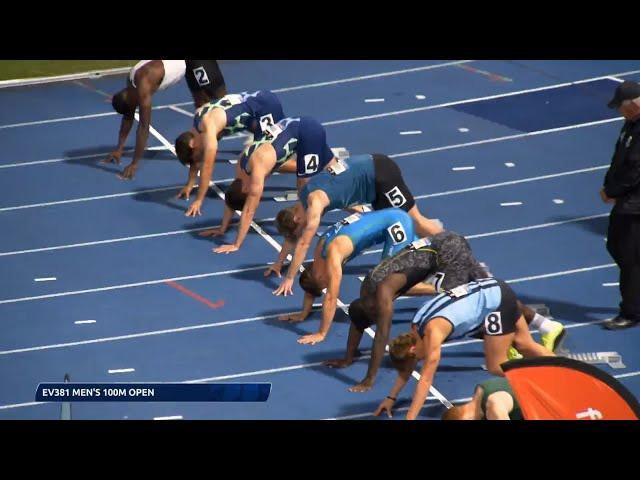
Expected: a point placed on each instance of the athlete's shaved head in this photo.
(123, 102)
(309, 284)
(184, 148)
(235, 197)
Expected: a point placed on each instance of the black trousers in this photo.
(623, 244)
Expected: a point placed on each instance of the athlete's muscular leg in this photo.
(499, 405)
(424, 226)
(386, 293)
(495, 351)
(525, 343)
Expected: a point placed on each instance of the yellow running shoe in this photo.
(513, 354)
(553, 339)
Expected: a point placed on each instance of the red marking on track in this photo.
(194, 295)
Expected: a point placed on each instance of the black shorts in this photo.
(505, 316)
(391, 191)
(205, 76)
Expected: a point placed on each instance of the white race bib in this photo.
(423, 242)
(459, 291)
(338, 167)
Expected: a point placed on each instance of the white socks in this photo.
(543, 324)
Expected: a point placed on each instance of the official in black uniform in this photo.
(622, 189)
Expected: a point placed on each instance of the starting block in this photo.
(613, 359)
(340, 152)
(289, 196)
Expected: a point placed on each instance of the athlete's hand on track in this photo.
(113, 157)
(129, 172)
(275, 268)
(185, 192)
(292, 317)
(337, 363)
(194, 209)
(285, 288)
(226, 249)
(385, 406)
(212, 232)
(311, 339)
(363, 386)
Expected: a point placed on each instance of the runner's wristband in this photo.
(391, 398)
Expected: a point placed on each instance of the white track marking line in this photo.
(100, 197)
(396, 410)
(509, 164)
(507, 137)
(470, 100)
(121, 370)
(558, 201)
(367, 117)
(625, 375)
(120, 239)
(411, 132)
(213, 274)
(612, 284)
(316, 364)
(180, 110)
(510, 204)
(130, 285)
(463, 130)
(373, 100)
(420, 97)
(172, 417)
(462, 169)
(21, 82)
(82, 322)
(77, 157)
(513, 182)
(560, 274)
(277, 90)
(45, 279)
(615, 79)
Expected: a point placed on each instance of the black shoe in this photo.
(619, 323)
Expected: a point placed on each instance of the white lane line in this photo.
(77, 157)
(513, 182)
(129, 285)
(419, 197)
(373, 100)
(625, 375)
(420, 97)
(374, 75)
(101, 197)
(278, 90)
(612, 284)
(180, 110)
(367, 117)
(316, 364)
(172, 417)
(121, 239)
(212, 274)
(463, 130)
(558, 201)
(469, 100)
(616, 79)
(462, 169)
(510, 164)
(142, 334)
(395, 410)
(563, 273)
(121, 370)
(507, 137)
(510, 204)
(82, 322)
(411, 132)
(45, 279)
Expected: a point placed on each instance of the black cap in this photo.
(627, 90)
